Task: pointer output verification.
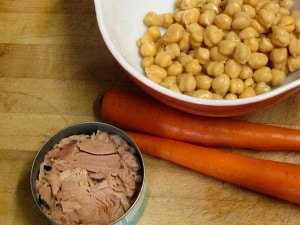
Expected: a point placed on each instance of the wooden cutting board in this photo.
(54, 68)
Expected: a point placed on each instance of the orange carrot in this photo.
(278, 179)
(146, 115)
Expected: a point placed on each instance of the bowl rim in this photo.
(177, 96)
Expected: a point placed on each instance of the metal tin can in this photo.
(133, 214)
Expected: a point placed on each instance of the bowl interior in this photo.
(121, 25)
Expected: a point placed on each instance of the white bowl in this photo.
(121, 25)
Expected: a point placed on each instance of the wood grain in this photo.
(54, 68)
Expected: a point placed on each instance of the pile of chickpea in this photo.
(222, 49)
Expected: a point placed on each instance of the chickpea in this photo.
(288, 22)
(262, 75)
(154, 32)
(278, 55)
(175, 88)
(207, 18)
(266, 18)
(278, 77)
(223, 21)
(202, 54)
(230, 96)
(178, 78)
(226, 47)
(210, 6)
(249, 82)
(232, 8)
(248, 92)
(293, 63)
(203, 94)
(265, 45)
(167, 19)
(261, 88)
(184, 58)
(194, 44)
(163, 59)
(258, 60)
(148, 49)
(203, 82)
(196, 32)
(168, 81)
(249, 10)
(248, 32)
(216, 55)
(184, 43)
(257, 26)
(173, 49)
(280, 36)
(217, 96)
(240, 21)
(175, 69)
(215, 68)
(147, 61)
(281, 66)
(194, 53)
(288, 4)
(187, 4)
(178, 16)
(216, 2)
(239, 1)
(252, 43)
(174, 33)
(146, 38)
(236, 86)
(242, 53)
(190, 16)
(232, 68)
(271, 6)
(212, 35)
(193, 67)
(159, 47)
(189, 93)
(294, 47)
(261, 4)
(220, 84)
(152, 19)
(253, 3)
(246, 72)
(156, 73)
(284, 11)
(232, 36)
(285, 69)
(187, 82)
(191, 51)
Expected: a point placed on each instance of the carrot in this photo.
(146, 115)
(277, 179)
